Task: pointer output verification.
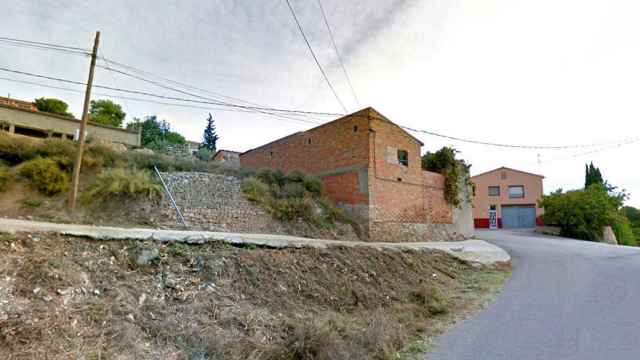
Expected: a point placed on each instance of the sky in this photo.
(520, 72)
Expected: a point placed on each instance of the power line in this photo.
(267, 111)
(295, 18)
(39, 47)
(187, 86)
(503, 145)
(44, 44)
(254, 108)
(220, 102)
(335, 47)
(210, 108)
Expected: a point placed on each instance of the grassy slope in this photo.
(68, 297)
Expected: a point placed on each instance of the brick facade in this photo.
(369, 166)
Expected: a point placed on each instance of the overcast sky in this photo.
(522, 72)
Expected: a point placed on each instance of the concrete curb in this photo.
(476, 252)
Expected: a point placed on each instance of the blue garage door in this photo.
(518, 216)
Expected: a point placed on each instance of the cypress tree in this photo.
(210, 138)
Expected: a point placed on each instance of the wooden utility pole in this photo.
(73, 195)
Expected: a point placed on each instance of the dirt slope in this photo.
(63, 297)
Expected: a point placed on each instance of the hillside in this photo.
(66, 297)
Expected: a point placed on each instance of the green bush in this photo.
(45, 175)
(116, 182)
(444, 162)
(203, 154)
(295, 176)
(294, 208)
(624, 233)
(58, 148)
(313, 186)
(255, 190)
(15, 149)
(5, 177)
(271, 177)
(581, 214)
(432, 299)
(292, 190)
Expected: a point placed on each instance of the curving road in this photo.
(566, 300)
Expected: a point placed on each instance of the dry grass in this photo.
(220, 302)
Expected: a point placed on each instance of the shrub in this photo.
(271, 177)
(432, 299)
(444, 162)
(292, 190)
(255, 190)
(15, 149)
(313, 186)
(296, 176)
(101, 155)
(5, 177)
(45, 175)
(119, 181)
(624, 233)
(58, 148)
(581, 214)
(203, 154)
(291, 209)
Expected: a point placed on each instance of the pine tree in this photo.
(210, 138)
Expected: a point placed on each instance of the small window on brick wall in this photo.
(494, 190)
(403, 157)
(355, 128)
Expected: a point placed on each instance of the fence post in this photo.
(173, 202)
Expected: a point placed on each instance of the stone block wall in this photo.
(213, 202)
(216, 203)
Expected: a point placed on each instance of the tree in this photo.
(106, 112)
(444, 162)
(592, 175)
(53, 106)
(155, 133)
(210, 138)
(581, 214)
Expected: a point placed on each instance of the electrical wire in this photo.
(315, 58)
(266, 111)
(153, 94)
(210, 108)
(335, 47)
(44, 44)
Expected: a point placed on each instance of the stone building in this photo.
(372, 168)
(17, 117)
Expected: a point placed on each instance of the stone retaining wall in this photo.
(215, 203)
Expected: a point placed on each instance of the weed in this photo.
(31, 203)
(117, 182)
(14, 149)
(255, 190)
(432, 299)
(5, 177)
(178, 249)
(45, 175)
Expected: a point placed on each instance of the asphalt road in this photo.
(566, 299)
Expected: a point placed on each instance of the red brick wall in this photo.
(389, 193)
(400, 193)
(317, 151)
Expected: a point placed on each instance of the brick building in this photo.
(227, 158)
(372, 168)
